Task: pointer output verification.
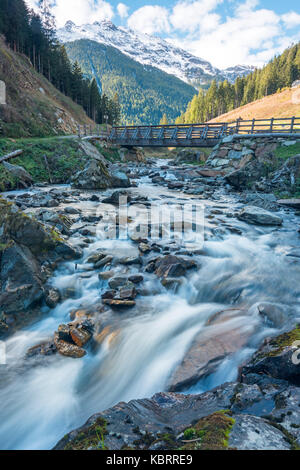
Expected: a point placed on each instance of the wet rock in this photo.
(81, 336)
(116, 303)
(53, 297)
(109, 294)
(43, 349)
(253, 433)
(94, 198)
(173, 266)
(278, 357)
(93, 259)
(64, 333)
(106, 275)
(294, 203)
(205, 355)
(21, 281)
(175, 185)
(129, 260)
(258, 216)
(144, 248)
(274, 313)
(171, 283)
(117, 282)
(119, 179)
(136, 278)
(72, 210)
(104, 261)
(67, 349)
(94, 176)
(117, 197)
(265, 201)
(127, 293)
(163, 413)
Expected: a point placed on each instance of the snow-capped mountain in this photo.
(231, 73)
(150, 50)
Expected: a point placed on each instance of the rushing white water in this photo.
(41, 400)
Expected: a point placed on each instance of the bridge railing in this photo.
(266, 126)
(173, 133)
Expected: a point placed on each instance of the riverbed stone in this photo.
(68, 349)
(259, 216)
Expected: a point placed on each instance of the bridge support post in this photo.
(292, 124)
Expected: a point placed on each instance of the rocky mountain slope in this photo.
(151, 50)
(33, 106)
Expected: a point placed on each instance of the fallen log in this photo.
(11, 155)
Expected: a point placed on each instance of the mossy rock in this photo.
(210, 433)
(90, 438)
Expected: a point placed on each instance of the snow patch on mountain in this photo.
(151, 50)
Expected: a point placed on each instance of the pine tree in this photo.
(164, 120)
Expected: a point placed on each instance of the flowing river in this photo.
(41, 400)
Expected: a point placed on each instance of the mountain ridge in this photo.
(151, 50)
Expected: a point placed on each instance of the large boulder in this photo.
(205, 355)
(25, 244)
(278, 357)
(94, 176)
(23, 178)
(190, 156)
(258, 216)
(21, 281)
(99, 175)
(134, 154)
(119, 179)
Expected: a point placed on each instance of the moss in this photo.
(145, 440)
(93, 437)
(278, 344)
(63, 158)
(211, 432)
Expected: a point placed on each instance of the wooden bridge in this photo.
(196, 135)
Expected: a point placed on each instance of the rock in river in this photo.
(257, 216)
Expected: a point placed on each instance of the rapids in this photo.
(43, 400)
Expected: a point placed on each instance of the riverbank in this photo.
(133, 316)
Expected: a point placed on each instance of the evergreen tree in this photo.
(164, 120)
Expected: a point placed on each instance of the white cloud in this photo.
(82, 11)
(188, 16)
(123, 10)
(150, 19)
(250, 36)
(291, 19)
(32, 4)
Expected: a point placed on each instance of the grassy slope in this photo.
(34, 107)
(278, 105)
(64, 157)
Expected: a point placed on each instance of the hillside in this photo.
(221, 98)
(279, 105)
(34, 106)
(145, 92)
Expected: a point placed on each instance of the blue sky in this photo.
(225, 32)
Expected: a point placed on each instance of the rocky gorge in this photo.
(206, 323)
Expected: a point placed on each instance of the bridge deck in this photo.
(198, 135)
